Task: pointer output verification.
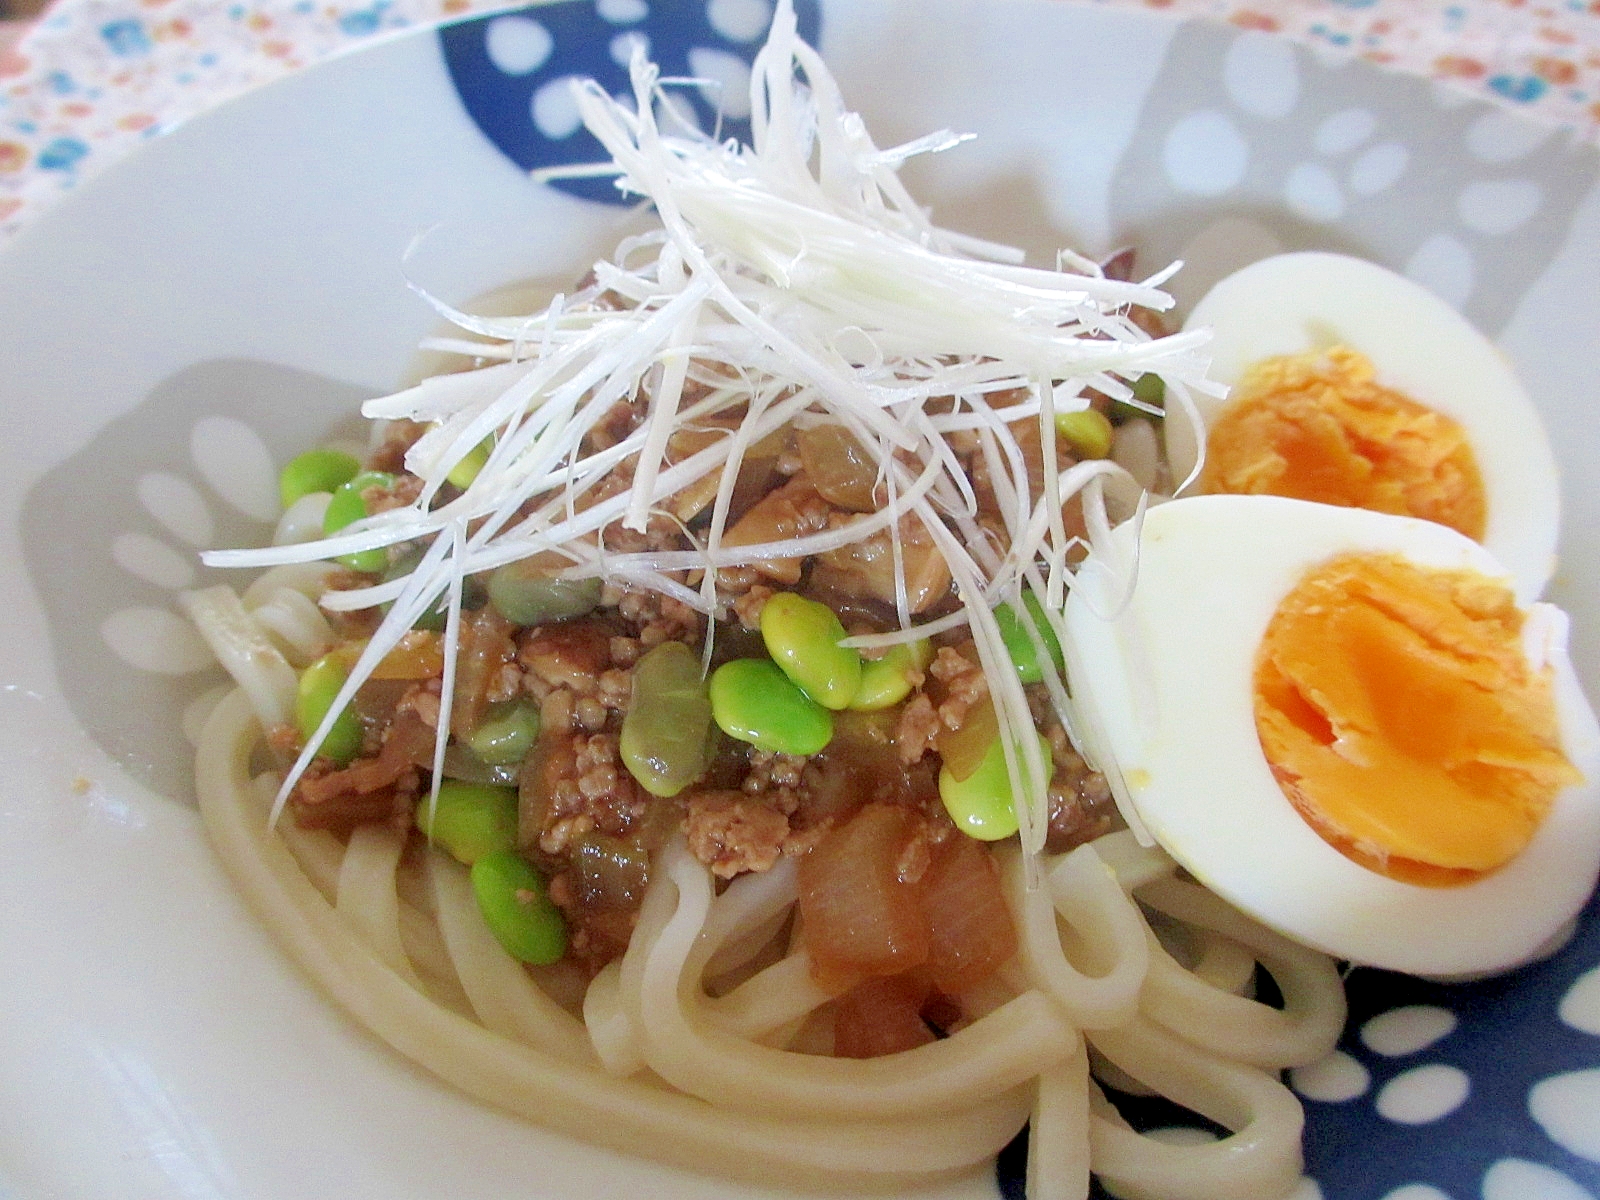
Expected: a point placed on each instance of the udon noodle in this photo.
(657, 1063)
(705, 1042)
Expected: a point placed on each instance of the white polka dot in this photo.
(555, 109)
(153, 639)
(1181, 1135)
(1444, 266)
(1497, 206)
(622, 47)
(1312, 192)
(1336, 1078)
(1501, 137)
(1379, 168)
(1423, 1094)
(233, 459)
(1261, 75)
(152, 560)
(728, 76)
(1306, 1189)
(1205, 155)
(1518, 1179)
(1344, 131)
(518, 45)
(1580, 1007)
(1407, 1030)
(673, 111)
(622, 12)
(739, 20)
(178, 505)
(1416, 1191)
(1567, 1108)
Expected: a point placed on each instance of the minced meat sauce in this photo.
(583, 819)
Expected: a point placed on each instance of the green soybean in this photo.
(755, 702)
(506, 733)
(982, 805)
(1088, 432)
(803, 638)
(466, 470)
(437, 614)
(525, 595)
(886, 681)
(667, 731)
(1150, 389)
(516, 906)
(470, 820)
(319, 687)
(319, 470)
(347, 507)
(1024, 657)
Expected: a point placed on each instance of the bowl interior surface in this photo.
(229, 295)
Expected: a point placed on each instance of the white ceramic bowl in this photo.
(229, 293)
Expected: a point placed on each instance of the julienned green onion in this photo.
(730, 319)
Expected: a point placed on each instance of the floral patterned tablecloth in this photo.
(92, 78)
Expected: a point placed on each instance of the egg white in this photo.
(1420, 347)
(1164, 689)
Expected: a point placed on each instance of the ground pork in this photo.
(732, 832)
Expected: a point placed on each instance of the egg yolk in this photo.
(1318, 426)
(1403, 721)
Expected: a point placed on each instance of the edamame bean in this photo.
(516, 906)
(436, 615)
(506, 733)
(1088, 432)
(1020, 646)
(465, 471)
(803, 638)
(347, 507)
(667, 731)
(319, 687)
(752, 700)
(886, 681)
(470, 820)
(982, 805)
(526, 595)
(1150, 389)
(319, 470)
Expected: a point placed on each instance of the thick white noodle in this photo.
(244, 650)
(1058, 1132)
(502, 995)
(612, 1032)
(990, 1057)
(366, 895)
(1260, 1157)
(1302, 1032)
(1081, 892)
(631, 1075)
(770, 1000)
(295, 624)
(820, 1153)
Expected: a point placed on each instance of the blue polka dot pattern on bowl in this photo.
(513, 70)
(1441, 1091)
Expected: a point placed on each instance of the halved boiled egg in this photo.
(1352, 385)
(1345, 724)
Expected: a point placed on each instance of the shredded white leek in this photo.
(794, 280)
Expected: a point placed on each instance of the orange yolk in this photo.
(1402, 719)
(1318, 426)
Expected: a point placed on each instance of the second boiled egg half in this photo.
(1353, 385)
(1344, 722)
